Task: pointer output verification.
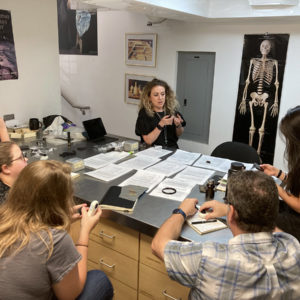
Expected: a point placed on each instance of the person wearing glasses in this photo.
(38, 259)
(159, 122)
(3, 131)
(12, 163)
(255, 264)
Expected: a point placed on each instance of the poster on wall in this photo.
(8, 60)
(77, 30)
(258, 102)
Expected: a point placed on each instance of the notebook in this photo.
(95, 129)
(200, 225)
(122, 198)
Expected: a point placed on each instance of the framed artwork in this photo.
(140, 49)
(134, 85)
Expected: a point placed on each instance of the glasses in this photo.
(22, 157)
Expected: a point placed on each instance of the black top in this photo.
(145, 124)
(3, 191)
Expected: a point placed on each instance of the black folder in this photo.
(114, 201)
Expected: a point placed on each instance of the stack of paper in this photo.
(167, 168)
(184, 157)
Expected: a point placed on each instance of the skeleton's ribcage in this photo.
(262, 71)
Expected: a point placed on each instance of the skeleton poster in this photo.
(77, 30)
(8, 61)
(259, 93)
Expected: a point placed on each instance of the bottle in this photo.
(235, 167)
(210, 190)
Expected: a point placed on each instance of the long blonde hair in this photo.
(171, 104)
(40, 199)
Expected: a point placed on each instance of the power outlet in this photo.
(8, 117)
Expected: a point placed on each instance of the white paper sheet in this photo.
(182, 188)
(140, 162)
(156, 152)
(144, 178)
(184, 157)
(109, 172)
(167, 168)
(103, 159)
(196, 175)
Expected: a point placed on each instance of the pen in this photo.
(203, 222)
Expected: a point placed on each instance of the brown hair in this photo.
(290, 128)
(5, 153)
(41, 198)
(171, 104)
(254, 196)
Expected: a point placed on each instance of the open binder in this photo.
(122, 198)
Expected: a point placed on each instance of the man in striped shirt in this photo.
(257, 263)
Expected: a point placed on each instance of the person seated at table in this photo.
(3, 131)
(255, 264)
(159, 122)
(289, 210)
(38, 259)
(12, 163)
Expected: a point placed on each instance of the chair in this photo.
(237, 151)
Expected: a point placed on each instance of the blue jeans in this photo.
(97, 287)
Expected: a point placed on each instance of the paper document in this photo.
(167, 168)
(154, 152)
(144, 178)
(173, 189)
(103, 159)
(140, 162)
(184, 157)
(109, 172)
(196, 175)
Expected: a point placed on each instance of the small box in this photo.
(76, 163)
(131, 146)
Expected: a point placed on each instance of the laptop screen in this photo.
(94, 128)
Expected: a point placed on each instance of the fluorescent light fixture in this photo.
(272, 2)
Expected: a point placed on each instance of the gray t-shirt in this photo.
(29, 275)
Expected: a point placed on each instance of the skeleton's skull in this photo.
(265, 47)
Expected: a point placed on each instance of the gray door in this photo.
(194, 92)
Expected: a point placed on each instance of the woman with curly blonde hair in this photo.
(38, 259)
(159, 122)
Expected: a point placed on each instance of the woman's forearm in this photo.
(290, 200)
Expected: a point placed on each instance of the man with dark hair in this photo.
(255, 264)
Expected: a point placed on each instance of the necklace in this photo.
(165, 127)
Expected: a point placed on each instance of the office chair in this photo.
(237, 151)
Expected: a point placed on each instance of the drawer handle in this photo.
(103, 263)
(101, 233)
(167, 295)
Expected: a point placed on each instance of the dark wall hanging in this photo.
(259, 94)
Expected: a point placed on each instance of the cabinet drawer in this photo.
(117, 237)
(121, 291)
(114, 264)
(146, 256)
(158, 286)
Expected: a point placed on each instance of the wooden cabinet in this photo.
(154, 282)
(126, 258)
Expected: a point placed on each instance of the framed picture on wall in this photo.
(140, 49)
(134, 85)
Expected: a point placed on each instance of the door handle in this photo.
(184, 102)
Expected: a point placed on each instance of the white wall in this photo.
(37, 92)
(98, 81)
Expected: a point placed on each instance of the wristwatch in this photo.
(179, 211)
(159, 127)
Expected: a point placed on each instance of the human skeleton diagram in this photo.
(261, 70)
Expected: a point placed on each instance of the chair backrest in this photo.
(237, 151)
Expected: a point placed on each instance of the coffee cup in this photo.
(34, 124)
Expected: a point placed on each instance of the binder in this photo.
(122, 198)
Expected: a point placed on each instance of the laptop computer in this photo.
(96, 131)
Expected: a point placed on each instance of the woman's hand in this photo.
(75, 214)
(269, 169)
(166, 120)
(89, 222)
(178, 120)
